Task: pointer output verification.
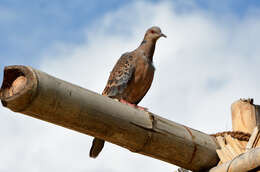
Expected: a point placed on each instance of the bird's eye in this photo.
(152, 31)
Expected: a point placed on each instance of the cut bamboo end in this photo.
(243, 115)
(18, 87)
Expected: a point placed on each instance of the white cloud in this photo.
(204, 65)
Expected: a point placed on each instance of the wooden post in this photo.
(245, 115)
(42, 96)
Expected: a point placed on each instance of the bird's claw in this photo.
(133, 105)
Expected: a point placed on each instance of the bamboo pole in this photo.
(242, 163)
(42, 96)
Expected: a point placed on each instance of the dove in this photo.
(131, 77)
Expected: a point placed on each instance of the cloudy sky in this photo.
(210, 59)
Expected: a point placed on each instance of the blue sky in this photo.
(30, 27)
(209, 59)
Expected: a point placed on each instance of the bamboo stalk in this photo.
(42, 96)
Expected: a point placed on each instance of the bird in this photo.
(131, 77)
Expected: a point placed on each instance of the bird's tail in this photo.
(97, 146)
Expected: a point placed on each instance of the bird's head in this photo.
(153, 33)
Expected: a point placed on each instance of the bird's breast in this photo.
(144, 71)
(141, 81)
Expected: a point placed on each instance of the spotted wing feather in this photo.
(120, 76)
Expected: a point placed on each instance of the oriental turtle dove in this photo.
(131, 77)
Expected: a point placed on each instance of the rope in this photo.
(235, 134)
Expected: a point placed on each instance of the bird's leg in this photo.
(127, 103)
(141, 108)
(133, 105)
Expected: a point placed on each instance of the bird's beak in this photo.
(162, 35)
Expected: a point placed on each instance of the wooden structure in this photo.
(42, 96)
(239, 153)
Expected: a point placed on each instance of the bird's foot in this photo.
(142, 108)
(133, 105)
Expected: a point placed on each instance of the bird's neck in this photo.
(148, 47)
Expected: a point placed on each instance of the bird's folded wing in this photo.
(120, 76)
